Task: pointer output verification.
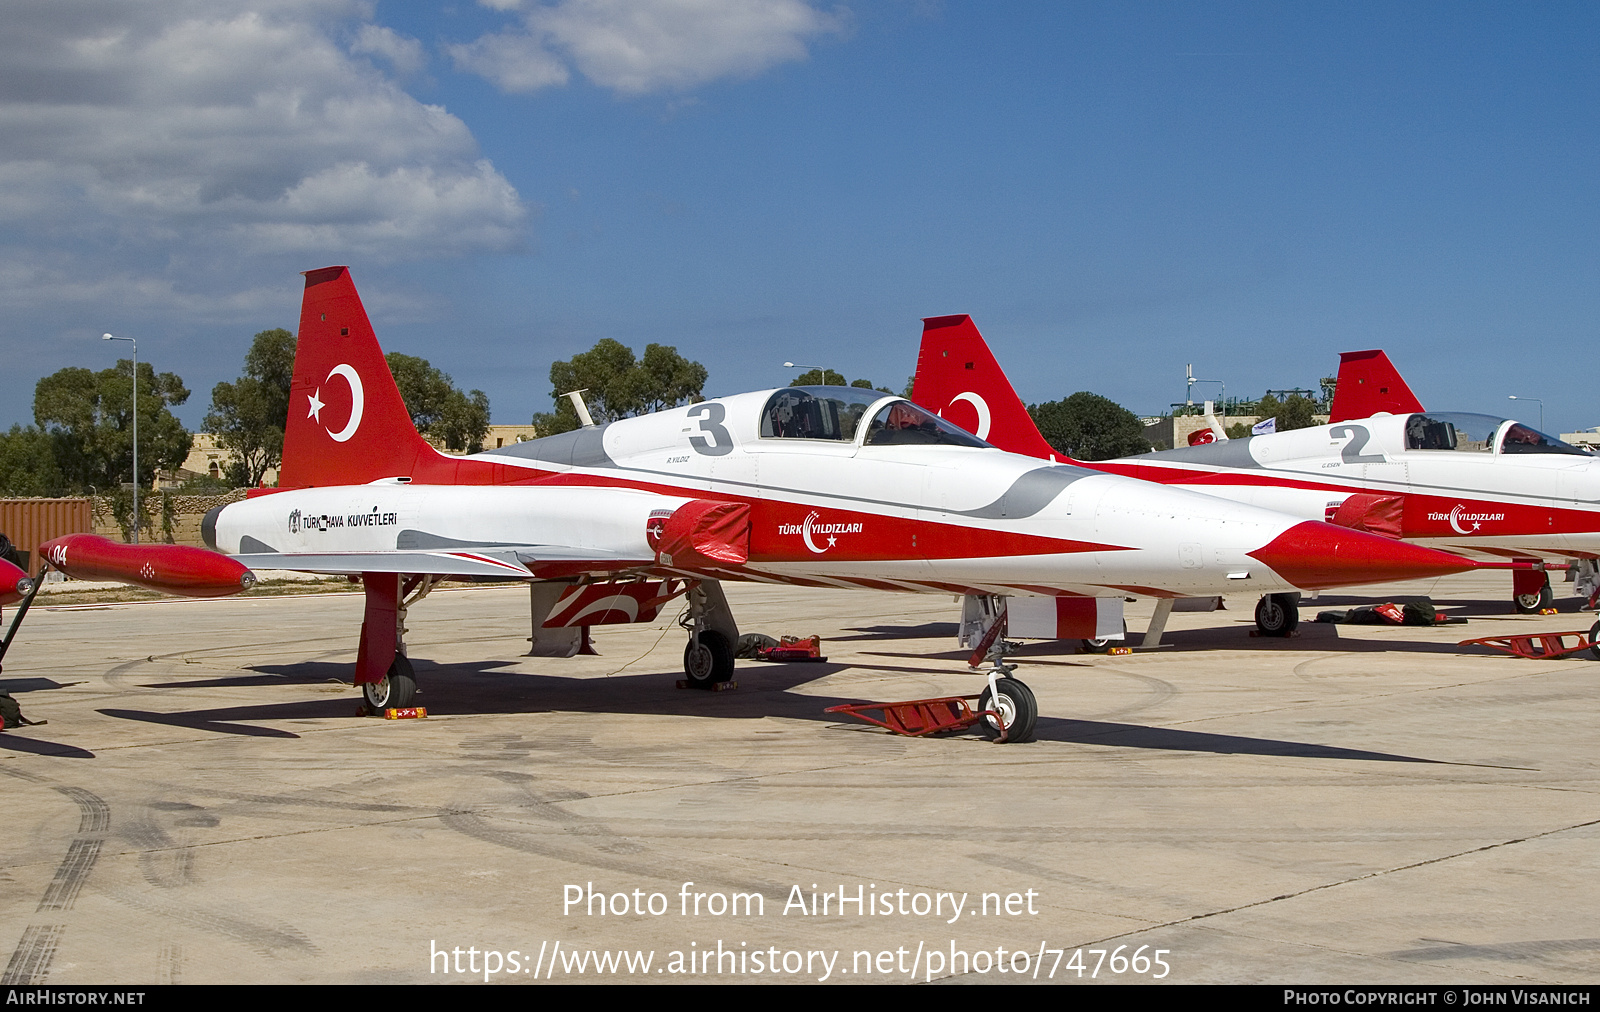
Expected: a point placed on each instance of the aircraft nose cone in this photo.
(1313, 555)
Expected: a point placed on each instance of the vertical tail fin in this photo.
(347, 423)
(1369, 383)
(958, 377)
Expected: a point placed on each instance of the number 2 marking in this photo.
(1351, 453)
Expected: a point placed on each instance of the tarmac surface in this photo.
(1352, 805)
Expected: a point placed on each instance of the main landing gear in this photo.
(1531, 590)
(383, 670)
(398, 687)
(1278, 614)
(708, 656)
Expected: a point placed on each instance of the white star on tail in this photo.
(316, 406)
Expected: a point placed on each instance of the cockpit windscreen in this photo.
(1460, 430)
(904, 424)
(831, 413)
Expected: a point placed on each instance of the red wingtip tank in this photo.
(14, 583)
(170, 569)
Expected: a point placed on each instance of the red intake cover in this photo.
(705, 531)
(1376, 514)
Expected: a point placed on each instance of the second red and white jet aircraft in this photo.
(1477, 485)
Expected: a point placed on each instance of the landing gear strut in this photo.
(1004, 695)
(383, 671)
(708, 656)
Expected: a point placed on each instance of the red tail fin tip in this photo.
(347, 423)
(957, 376)
(1369, 383)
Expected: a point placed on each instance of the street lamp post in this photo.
(109, 337)
(1514, 397)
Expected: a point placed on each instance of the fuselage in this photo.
(1486, 487)
(844, 487)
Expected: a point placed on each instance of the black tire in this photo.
(1101, 646)
(1016, 701)
(1594, 631)
(1533, 604)
(708, 659)
(1278, 614)
(397, 688)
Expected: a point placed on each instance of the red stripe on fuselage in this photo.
(781, 532)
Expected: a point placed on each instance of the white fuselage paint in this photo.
(859, 496)
(1462, 501)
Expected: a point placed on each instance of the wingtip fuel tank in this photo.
(170, 569)
(14, 583)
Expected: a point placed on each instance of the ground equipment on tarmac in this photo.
(1006, 709)
(1542, 645)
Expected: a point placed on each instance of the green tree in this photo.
(248, 415)
(829, 378)
(89, 417)
(1293, 412)
(28, 463)
(617, 385)
(1090, 427)
(438, 407)
(820, 378)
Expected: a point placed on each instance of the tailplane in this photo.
(347, 423)
(958, 377)
(1368, 384)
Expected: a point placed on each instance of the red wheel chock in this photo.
(1548, 645)
(920, 717)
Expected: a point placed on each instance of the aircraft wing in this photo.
(504, 562)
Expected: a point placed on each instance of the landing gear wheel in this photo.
(397, 688)
(1594, 631)
(1278, 614)
(1533, 604)
(1017, 708)
(708, 659)
(1104, 645)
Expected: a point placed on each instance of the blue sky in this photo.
(1111, 190)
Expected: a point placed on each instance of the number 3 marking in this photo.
(711, 424)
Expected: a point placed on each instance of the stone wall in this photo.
(187, 512)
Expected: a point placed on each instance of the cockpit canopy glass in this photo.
(902, 423)
(835, 413)
(1521, 438)
(1459, 430)
(816, 412)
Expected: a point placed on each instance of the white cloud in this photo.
(639, 46)
(515, 61)
(404, 54)
(178, 127)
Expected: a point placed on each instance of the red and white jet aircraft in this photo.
(1478, 485)
(813, 486)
